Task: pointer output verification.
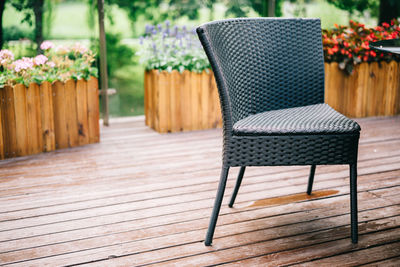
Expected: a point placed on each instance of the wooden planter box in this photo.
(372, 90)
(175, 102)
(48, 116)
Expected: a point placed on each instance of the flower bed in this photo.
(360, 82)
(48, 102)
(349, 45)
(180, 91)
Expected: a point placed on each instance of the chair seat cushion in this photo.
(312, 119)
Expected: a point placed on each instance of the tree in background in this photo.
(385, 10)
(160, 10)
(239, 8)
(33, 11)
(388, 10)
(2, 7)
(34, 14)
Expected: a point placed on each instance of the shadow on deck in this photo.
(141, 198)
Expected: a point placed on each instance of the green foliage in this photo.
(16, 33)
(357, 5)
(159, 10)
(239, 8)
(172, 48)
(118, 54)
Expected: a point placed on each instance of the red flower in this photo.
(346, 44)
(373, 53)
(330, 51)
(386, 25)
(365, 58)
(335, 48)
(365, 45)
(350, 55)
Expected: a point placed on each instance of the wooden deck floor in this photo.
(141, 198)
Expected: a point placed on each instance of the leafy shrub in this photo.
(61, 63)
(15, 33)
(118, 54)
(172, 48)
(349, 45)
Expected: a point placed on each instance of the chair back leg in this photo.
(353, 203)
(217, 205)
(311, 179)
(238, 183)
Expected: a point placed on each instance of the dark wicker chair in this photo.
(270, 77)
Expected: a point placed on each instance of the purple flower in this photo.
(141, 40)
(148, 29)
(46, 45)
(39, 60)
(167, 23)
(154, 48)
(159, 26)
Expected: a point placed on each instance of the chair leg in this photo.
(217, 205)
(311, 179)
(238, 182)
(353, 203)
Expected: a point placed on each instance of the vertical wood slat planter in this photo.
(48, 116)
(372, 90)
(177, 102)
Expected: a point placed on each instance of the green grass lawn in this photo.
(71, 24)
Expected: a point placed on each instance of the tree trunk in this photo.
(2, 6)
(388, 10)
(38, 7)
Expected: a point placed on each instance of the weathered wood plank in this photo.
(21, 122)
(60, 120)
(71, 114)
(34, 121)
(82, 111)
(186, 93)
(147, 97)
(2, 123)
(175, 99)
(47, 117)
(93, 110)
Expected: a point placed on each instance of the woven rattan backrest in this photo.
(265, 64)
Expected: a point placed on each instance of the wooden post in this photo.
(103, 62)
(271, 8)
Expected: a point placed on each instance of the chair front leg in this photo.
(238, 183)
(353, 203)
(311, 179)
(217, 205)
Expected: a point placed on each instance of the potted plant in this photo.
(180, 91)
(49, 101)
(361, 82)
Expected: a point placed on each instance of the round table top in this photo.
(391, 46)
